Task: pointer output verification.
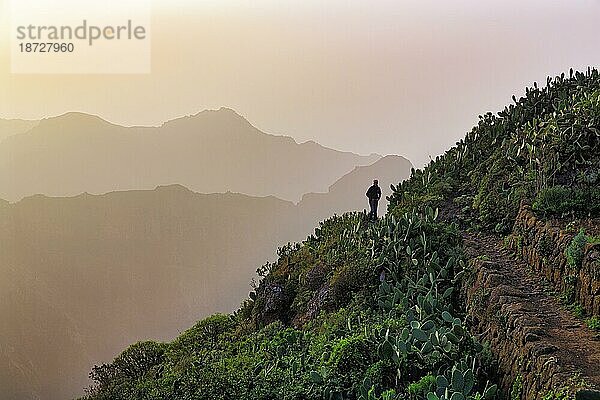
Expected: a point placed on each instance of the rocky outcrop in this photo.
(274, 301)
(542, 245)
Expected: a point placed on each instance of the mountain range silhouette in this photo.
(87, 274)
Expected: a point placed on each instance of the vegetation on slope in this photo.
(543, 149)
(369, 310)
(368, 340)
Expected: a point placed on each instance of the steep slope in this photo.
(98, 272)
(83, 276)
(212, 151)
(542, 150)
(319, 327)
(372, 311)
(522, 174)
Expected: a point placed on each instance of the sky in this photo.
(390, 77)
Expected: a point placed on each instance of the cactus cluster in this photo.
(418, 289)
(390, 334)
(547, 138)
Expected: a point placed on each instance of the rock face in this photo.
(540, 349)
(276, 302)
(542, 245)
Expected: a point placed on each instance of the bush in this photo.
(560, 200)
(555, 200)
(203, 335)
(574, 252)
(422, 386)
(350, 358)
(134, 363)
(593, 323)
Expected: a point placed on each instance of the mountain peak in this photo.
(228, 110)
(75, 119)
(223, 111)
(221, 115)
(176, 187)
(212, 151)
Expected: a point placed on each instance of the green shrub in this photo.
(350, 358)
(381, 374)
(578, 310)
(134, 363)
(560, 394)
(555, 200)
(560, 200)
(593, 322)
(422, 386)
(575, 250)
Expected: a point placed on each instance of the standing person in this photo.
(374, 194)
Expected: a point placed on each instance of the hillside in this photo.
(449, 296)
(210, 152)
(95, 272)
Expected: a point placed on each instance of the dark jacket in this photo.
(374, 193)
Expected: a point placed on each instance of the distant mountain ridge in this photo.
(95, 272)
(84, 273)
(348, 192)
(212, 151)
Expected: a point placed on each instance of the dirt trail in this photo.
(575, 347)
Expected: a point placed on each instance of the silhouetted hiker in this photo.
(374, 194)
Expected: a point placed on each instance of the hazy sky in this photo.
(404, 77)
